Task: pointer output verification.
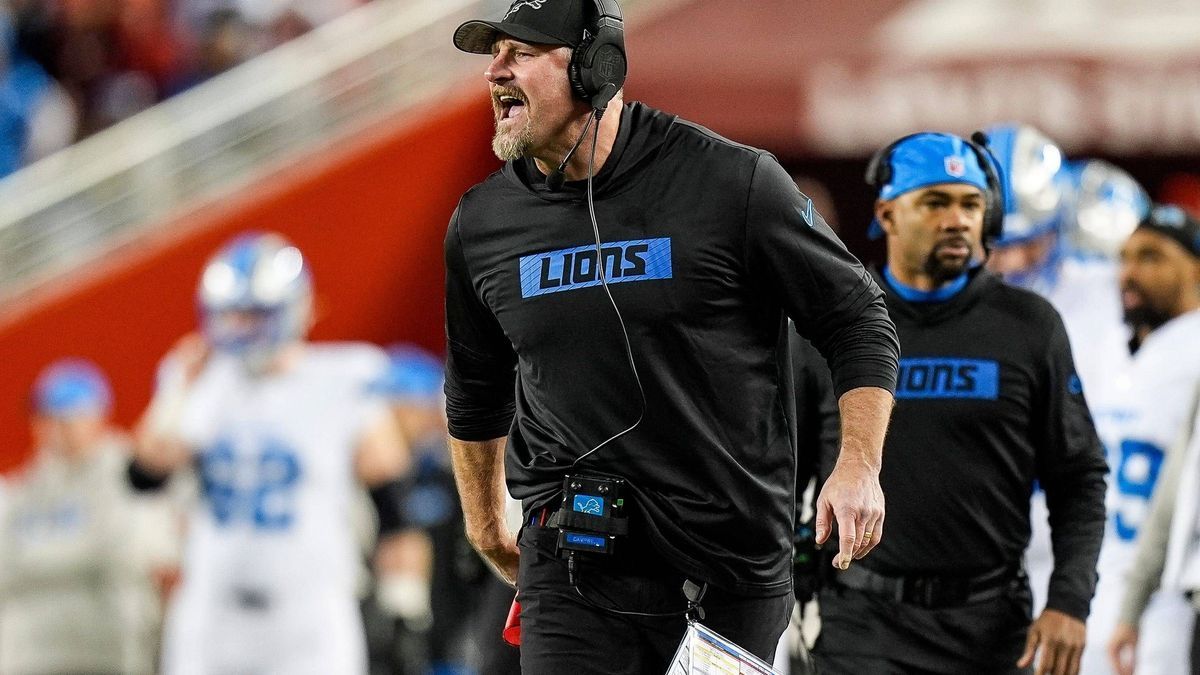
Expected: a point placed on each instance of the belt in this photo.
(931, 592)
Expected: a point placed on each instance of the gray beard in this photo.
(510, 146)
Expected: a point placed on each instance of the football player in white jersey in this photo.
(1066, 222)
(281, 432)
(1160, 291)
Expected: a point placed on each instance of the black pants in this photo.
(562, 633)
(864, 634)
(496, 657)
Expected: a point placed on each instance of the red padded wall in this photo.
(369, 212)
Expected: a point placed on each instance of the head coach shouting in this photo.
(616, 306)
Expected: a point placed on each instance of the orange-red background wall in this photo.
(369, 213)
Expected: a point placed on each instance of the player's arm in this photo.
(480, 380)
(1071, 468)
(383, 465)
(159, 448)
(793, 256)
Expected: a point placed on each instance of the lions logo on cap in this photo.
(956, 167)
(531, 4)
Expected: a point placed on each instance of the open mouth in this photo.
(509, 107)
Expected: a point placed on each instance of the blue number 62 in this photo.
(268, 502)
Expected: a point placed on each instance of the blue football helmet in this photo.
(1033, 198)
(1104, 206)
(255, 297)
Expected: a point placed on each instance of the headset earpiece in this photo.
(880, 163)
(993, 217)
(598, 65)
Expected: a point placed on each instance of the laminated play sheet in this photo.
(704, 652)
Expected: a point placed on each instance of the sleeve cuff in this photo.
(481, 429)
(1071, 606)
(866, 380)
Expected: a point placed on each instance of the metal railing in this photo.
(78, 204)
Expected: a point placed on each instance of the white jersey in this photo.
(271, 560)
(76, 590)
(1149, 409)
(1138, 403)
(1086, 295)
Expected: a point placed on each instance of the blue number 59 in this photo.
(1137, 474)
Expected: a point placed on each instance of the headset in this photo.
(596, 73)
(879, 174)
(598, 65)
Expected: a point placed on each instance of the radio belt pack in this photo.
(592, 518)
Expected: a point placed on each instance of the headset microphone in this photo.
(554, 181)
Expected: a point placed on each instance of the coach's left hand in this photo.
(851, 496)
(1060, 638)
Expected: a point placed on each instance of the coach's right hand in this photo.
(479, 474)
(853, 498)
(499, 550)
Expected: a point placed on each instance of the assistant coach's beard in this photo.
(949, 258)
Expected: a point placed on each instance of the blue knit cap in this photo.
(71, 386)
(929, 159)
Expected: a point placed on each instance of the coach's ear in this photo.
(883, 214)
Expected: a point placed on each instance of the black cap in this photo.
(1172, 221)
(551, 22)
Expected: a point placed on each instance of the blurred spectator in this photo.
(36, 116)
(76, 585)
(69, 68)
(225, 41)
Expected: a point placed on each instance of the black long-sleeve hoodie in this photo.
(987, 402)
(707, 244)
